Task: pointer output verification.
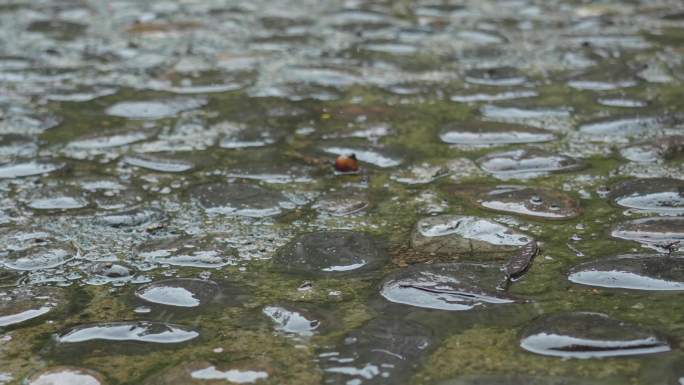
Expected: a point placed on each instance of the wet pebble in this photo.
(449, 286)
(529, 163)
(589, 335)
(154, 109)
(159, 164)
(492, 133)
(133, 331)
(18, 169)
(464, 235)
(654, 195)
(632, 271)
(529, 201)
(240, 199)
(179, 292)
(331, 252)
(656, 231)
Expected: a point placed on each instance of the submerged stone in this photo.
(529, 201)
(240, 199)
(24, 303)
(133, 331)
(492, 133)
(154, 109)
(331, 252)
(656, 231)
(589, 335)
(632, 271)
(655, 195)
(386, 350)
(201, 252)
(65, 375)
(464, 235)
(448, 286)
(159, 164)
(528, 163)
(179, 292)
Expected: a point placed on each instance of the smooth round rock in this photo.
(492, 133)
(179, 292)
(331, 253)
(64, 375)
(654, 195)
(449, 286)
(527, 163)
(632, 271)
(464, 235)
(589, 335)
(133, 331)
(240, 199)
(529, 201)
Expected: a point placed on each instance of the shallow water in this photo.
(170, 213)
